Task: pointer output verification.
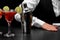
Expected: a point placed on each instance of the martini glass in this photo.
(9, 17)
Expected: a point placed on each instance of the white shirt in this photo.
(31, 4)
(56, 7)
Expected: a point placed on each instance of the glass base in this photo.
(1, 33)
(9, 35)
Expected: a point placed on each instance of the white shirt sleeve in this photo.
(35, 21)
(31, 4)
(56, 7)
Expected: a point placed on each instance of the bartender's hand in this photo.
(49, 27)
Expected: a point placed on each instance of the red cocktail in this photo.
(1, 13)
(9, 17)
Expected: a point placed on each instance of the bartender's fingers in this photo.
(49, 27)
(56, 26)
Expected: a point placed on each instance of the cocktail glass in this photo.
(9, 17)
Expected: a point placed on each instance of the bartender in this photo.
(45, 13)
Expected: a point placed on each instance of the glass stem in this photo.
(9, 28)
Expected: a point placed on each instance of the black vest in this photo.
(45, 12)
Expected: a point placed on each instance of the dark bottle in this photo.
(26, 20)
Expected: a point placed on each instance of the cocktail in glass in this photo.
(9, 17)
